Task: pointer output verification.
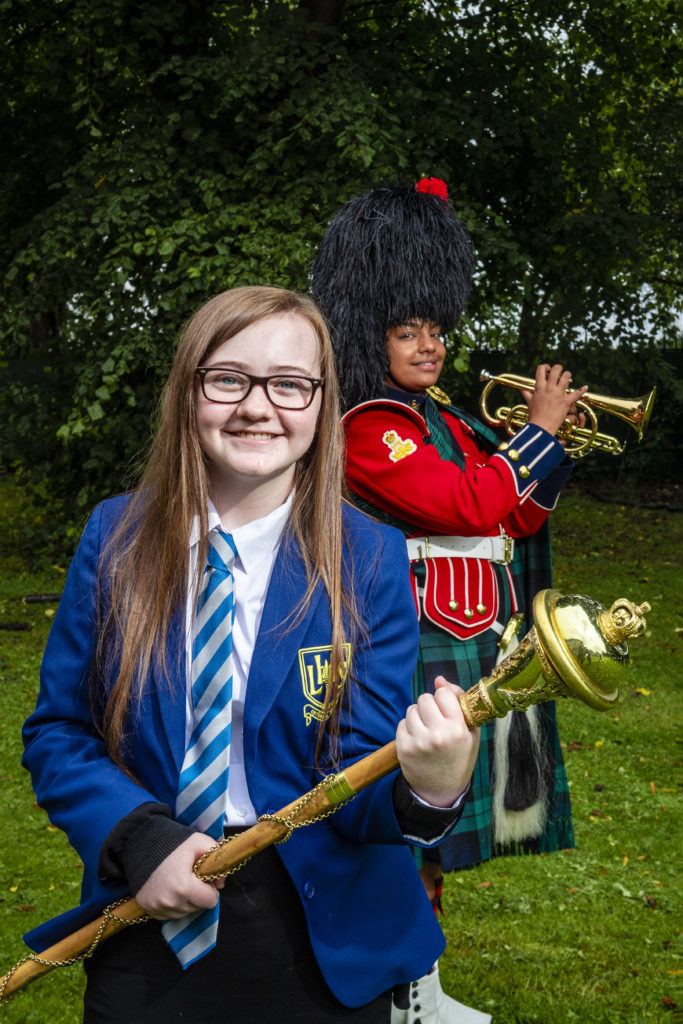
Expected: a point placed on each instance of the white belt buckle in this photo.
(508, 550)
(419, 549)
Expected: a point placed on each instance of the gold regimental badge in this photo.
(314, 664)
(400, 449)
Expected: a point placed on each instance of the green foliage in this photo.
(156, 155)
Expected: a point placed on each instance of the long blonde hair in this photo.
(146, 564)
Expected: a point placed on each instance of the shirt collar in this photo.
(254, 541)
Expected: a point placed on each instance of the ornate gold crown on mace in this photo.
(576, 649)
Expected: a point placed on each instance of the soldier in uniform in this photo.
(392, 276)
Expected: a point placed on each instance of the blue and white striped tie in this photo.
(203, 781)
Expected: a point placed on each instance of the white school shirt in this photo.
(257, 545)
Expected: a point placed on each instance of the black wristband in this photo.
(416, 819)
(138, 844)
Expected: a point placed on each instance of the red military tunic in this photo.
(449, 480)
(392, 464)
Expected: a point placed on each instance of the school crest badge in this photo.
(314, 664)
(399, 449)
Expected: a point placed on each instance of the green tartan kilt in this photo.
(471, 841)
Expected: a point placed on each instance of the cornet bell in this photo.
(577, 648)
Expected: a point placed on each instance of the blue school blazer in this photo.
(370, 923)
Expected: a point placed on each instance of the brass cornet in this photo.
(635, 411)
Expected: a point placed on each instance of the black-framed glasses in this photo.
(284, 390)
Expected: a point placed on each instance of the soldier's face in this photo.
(416, 353)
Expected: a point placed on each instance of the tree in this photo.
(156, 155)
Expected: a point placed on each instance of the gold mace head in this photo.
(586, 644)
(577, 648)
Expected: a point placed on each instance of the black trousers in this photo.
(262, 970)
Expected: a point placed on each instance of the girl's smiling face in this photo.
(416, 353)
(252, 445)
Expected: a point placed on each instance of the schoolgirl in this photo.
(228, 633)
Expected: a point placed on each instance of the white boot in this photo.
(429, 1004)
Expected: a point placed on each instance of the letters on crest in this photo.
(314, 664)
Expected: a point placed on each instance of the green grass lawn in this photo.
(594, 934)
(591, 934)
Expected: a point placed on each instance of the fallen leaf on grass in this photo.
(650, 901)
(669, 1003)
(484, 885)
(652, 787)
(25, 906)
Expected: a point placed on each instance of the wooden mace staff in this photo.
(222, 860)
(548, 663)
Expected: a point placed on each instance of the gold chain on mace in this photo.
(289, 823)
(107, 914)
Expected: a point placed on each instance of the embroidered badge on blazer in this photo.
(400, 449)
(314, 664)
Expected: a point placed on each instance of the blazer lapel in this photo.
(280, 634)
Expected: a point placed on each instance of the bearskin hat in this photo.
(395, 254)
